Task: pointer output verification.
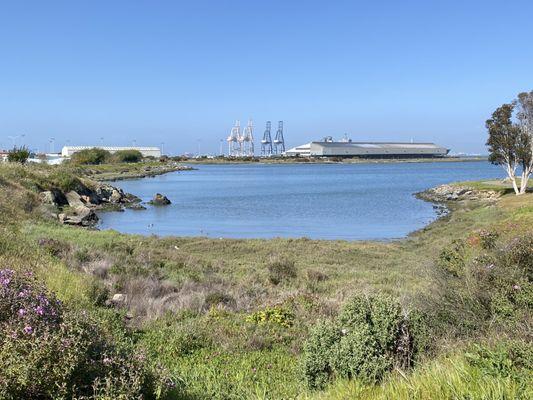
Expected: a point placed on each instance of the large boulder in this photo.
(83, 217)
(159, 200)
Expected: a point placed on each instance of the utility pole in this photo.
(51, 141)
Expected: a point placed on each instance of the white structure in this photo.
(330, 148)
(247, 148)
(303, 151)
(68, 151)
(235, 140)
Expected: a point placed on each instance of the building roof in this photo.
(111, 148)
(380, 145)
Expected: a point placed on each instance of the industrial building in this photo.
(68, 151)
(347, 148)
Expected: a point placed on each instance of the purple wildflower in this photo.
(22, 312)
(516, 287)
(28, 330)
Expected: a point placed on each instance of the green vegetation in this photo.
(234, 319)
(128, 156)
(94, 156)
(18, 154)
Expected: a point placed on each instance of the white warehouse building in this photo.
(68, 151)
(368, 150)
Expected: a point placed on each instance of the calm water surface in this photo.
(320, 201)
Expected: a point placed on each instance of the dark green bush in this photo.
(370, 336)
(18, 154)
(127, 156)
(281, 270)
(317, 368)
(92, 156)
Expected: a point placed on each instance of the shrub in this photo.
(370, 336)
(281, 270)
(19, 154)
(512, 359)
(127, 156)
(317, 369)
(49, 351)
(214, 299)
(276, 315)
(92, 156)
(452, 258)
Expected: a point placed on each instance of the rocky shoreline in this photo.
(78, 206)
(456, 193)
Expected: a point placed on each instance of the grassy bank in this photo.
(228, 318)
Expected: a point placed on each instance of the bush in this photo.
(370, 336)
(92, 156)
(48, 351)
(452, 258)
(127, 156)
(281, 270)
(275, 315)
(19, 154)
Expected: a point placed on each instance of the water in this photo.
(319, 201)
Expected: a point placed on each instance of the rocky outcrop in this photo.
(159, 200)
(452, 193)
(83, 202)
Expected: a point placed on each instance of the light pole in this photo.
(162, 152)
(199, 142)
(221, 151)
(134, 142)
(101, 142)
(51, 141)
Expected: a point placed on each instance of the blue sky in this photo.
(182, 72)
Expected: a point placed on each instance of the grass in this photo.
(191, 300)
(450, 377)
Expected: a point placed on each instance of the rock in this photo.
(136, 206)
(74, 199)
(449, 193)
(118, 300)
(83, 217)
(159, 200)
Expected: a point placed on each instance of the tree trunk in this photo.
(524, 181)
(511, 174)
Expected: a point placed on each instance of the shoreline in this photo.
(332, 160)
(446, 199)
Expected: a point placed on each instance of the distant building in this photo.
(3, 155)
(329, 148)
(68, 151)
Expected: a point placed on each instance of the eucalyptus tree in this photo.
(511, 143)
(524, 115)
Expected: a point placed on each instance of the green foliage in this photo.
(92, 156)
(369, 337)
(48, 351)
(509, 359)
(127, 156)
(275, 315)
(316, 365)
(281, 270)
(18, 154)
(452, 258)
